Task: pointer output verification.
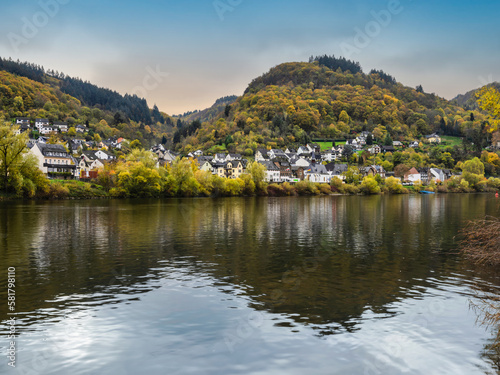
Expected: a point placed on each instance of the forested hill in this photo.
(324, 99)
(210, 113)
(469, 100)
(129, 107)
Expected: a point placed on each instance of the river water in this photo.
(323, 285)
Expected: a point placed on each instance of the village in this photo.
(82, 159)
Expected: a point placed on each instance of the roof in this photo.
(330, 167)
(340, 168)
(270, 166)
(317, 168)
(412, 171)
(47, 148)
(432, 136)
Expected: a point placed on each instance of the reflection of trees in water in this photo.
(321, 261)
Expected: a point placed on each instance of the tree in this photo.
(369, 185)
(135, 144)
(420, 89)
(348, 151)
(344, 117)
(473, 172)
(394, 185)
(258, 173)
(228, 140)
(422, 127)
(388, 140)
(14, 162)
(369, 140)
(473, 166)
(352, 175)
(401, 170)
(489, 100)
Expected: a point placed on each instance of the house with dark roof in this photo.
(272, 171)
(261, 154)
(433, 138)
(40, 122)
(373, 170)
(81, 128)
(62, 126)
(22, 120)
(277, 154)
(54, 161)
(317, 173)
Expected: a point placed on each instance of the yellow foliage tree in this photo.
(489, 100)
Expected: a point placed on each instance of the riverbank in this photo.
(80, 190)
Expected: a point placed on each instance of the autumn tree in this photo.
(489, 100)
(19, 170)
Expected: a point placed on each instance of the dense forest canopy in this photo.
(132, 107)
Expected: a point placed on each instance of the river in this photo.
(321, 285)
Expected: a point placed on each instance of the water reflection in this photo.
(329, 265)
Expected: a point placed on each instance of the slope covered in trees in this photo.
(296, 102)
(131, 107)
(24, 97)
(469, 99)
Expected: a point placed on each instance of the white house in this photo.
(22, 121)
(46, 130)
(272, 171)
(412, 176)
(261, 154)
(317, 173)
(62, 126)
(81, 129)
(54, 161)
(41, 122)
(103, 155)
(302, 162)
(375, 149)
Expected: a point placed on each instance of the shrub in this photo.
(325, 189)
(307, 188)
(369, 185)
(350, 189)
(336, 184)
(394, 185)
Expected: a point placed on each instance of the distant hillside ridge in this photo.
(469, 99)
(130, 106)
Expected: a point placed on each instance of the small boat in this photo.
(427, 192)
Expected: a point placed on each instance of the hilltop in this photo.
(326, 98)
(28, 90)
(469, 99)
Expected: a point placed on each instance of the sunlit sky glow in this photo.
(204, 49)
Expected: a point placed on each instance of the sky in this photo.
(183, 55)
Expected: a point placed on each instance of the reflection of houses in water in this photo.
(77, 229)
(414, 210)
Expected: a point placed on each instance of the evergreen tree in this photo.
(387, 140)
(369, 139)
